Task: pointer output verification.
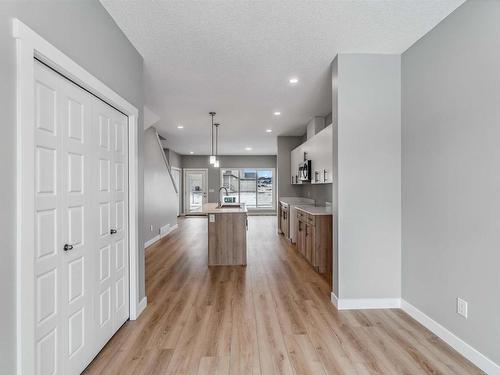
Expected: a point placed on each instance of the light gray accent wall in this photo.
(174, 158)
(228, 161)
(451, 178)
(160, 199)
(285, 145)
(328, 119)
(369, 176)
(86, 33)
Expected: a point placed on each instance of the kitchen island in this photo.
(227, 235)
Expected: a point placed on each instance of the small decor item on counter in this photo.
(325, 175)
(316, 176)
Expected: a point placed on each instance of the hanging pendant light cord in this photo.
(217, 140)
(212, 143)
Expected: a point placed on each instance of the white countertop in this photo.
(315, 210)
(296, 200)
(211, 208)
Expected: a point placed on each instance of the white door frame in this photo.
(30, 45)
(184, 170)
(180, 189)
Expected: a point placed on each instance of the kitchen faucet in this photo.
(227, 193)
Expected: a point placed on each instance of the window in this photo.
(252, 186)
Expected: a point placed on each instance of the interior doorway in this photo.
(195, 190)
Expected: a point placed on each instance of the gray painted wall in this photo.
(85, 32)
(174, 158)
(369, 176)
(229, 161)
(451, 180)
(160, 199)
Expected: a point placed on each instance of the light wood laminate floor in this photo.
(272, 317)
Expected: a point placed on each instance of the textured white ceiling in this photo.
(235, 58)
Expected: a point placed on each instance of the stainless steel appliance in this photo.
(305, 171)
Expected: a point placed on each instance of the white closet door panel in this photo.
(47, 216)
(120, 211)
(81, 181)
(102, 125)
(77, 229)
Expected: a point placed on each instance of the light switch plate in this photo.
(462, 307)
(211, 218)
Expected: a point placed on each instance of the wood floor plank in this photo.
(273, 316)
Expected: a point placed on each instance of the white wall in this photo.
(369, 176)
(451, 174)
(86, 33)
(160, 199)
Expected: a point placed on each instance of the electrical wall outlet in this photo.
(150, 228)
(462, 307)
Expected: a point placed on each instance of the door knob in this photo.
(112, 231)
(68, 247)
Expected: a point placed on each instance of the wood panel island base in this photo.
(227, 235)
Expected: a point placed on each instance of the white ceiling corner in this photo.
(150, 118)
(235, 58)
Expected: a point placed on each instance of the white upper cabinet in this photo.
(319, 149)
(296, 157)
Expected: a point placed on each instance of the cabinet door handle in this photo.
(68, 247)
(112, 231)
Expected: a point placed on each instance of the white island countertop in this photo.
(211, 208)
(315, 210)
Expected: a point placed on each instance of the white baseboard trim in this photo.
(365, 303)
(334, 300)
(480, 360)
(165, 230)
(141, 306)
(152, 241)
(170, 229)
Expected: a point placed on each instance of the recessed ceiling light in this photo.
(277, 113)
(293, 80)
(269, 130)
(180, 126)
(191, 152)
(248, 148)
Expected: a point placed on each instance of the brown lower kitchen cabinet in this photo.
(315, 240)
(284, 219)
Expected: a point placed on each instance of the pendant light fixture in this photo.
(216, 164)
(213, 158)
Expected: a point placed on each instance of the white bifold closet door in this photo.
(81, 211)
